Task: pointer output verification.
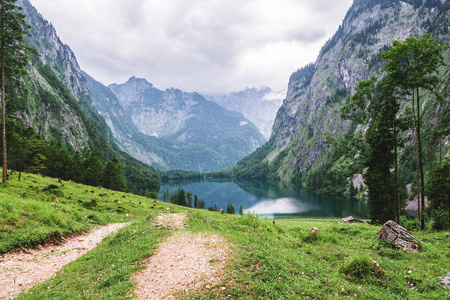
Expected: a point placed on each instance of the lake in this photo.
(271, 199)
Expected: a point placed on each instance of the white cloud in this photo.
(198, 45)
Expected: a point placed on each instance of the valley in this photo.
(230, 192)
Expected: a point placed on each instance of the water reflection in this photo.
(280, 206)
(268, 198)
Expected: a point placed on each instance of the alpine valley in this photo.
(171, 129)
(298, 150)
(165, 129)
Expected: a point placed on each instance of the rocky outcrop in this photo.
(445, 280)
(352, 220)
(49, 109)
(395, 233)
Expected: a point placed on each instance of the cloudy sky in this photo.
(208, 46)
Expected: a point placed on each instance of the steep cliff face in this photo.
(259, 105)
(55, 101)
(317, 91)
(58, 100)
(172, 129)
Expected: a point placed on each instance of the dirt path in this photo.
(185, 261)
(21, 270)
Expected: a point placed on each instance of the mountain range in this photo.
(172, 129)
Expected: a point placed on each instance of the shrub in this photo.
(409, 224)
(361, 267)
(440, 219)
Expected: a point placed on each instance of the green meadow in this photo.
(280, 260)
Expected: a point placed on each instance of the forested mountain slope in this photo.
(297, 149)
(55, 101)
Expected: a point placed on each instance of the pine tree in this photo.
(372, 105)
(113, 177)
(188, 199)
(166, 195)
(230, 209)
(195, 201)
(13, 58)
(93, 169)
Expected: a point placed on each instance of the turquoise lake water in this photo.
(266, 198)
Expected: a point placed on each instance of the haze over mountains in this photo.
(259, 105)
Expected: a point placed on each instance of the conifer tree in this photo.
(195, 201)
(188, 199)
(13, 58)
(230, 209)
(113, 177)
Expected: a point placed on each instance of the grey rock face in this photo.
(259, 105)
(393, 232)
(352, 220)
(172, 129)
(317, 91)
(66, 124)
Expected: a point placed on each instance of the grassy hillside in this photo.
(269, 261)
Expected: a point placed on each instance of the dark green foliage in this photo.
(179, 174)
(303, 76)
(188, 199)
(183, 198)
(324, 180)
(411, 71)
(409, 224)
(441, 219)
(13, 59)
(254, 165)
(93, 169)
(29, 152)
(374, 106)
(113, 177)
(439, 195)
(230, 209)
(201, 204)
(378, 178)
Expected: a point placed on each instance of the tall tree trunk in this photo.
(422, 185)
(440, 145)
(396, 176)
(417, 162)
(5, 170)
(4, 123)
(419, 203)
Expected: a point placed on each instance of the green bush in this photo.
(362, 266)
(440, 219)
(409, 224)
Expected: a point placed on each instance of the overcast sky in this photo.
(208, 46)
